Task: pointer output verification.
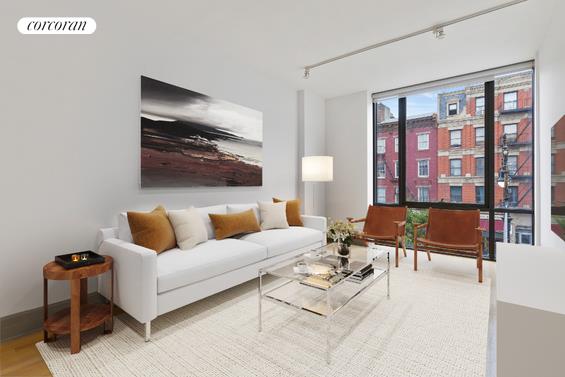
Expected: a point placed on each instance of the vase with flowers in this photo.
(342, 233)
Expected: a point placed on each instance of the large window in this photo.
(381, 170)
(455, 138)
(479, 106)
(511, 132)
(456, 194)
(466, 146)
(479, 166)
(381, 146)
(423, 142)
(423, 168)
(455, 167)
(479, 194)
(452, 109)
(511, 100)
(479, 135)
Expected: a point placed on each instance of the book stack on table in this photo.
(363, 274)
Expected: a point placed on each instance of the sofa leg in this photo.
(148, 331)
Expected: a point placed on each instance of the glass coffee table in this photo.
(322, 282)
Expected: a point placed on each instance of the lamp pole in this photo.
(503, 181)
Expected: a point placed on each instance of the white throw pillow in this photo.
(273, 215)
(189, 227)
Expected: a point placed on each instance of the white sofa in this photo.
(147, 285)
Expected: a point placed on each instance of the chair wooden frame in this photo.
(470, 250)
(399, 237)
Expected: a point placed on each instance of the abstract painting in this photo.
(189, 139)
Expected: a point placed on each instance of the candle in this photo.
(75, 257)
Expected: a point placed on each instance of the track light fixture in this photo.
(439, 33)
(437, 30)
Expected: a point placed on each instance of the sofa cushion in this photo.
(234, 223)
(152, 230)
(280, 241)
(205, 211)
(177, 268)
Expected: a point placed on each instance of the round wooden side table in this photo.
(81, 316)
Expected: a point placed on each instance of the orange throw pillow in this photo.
(234, 223)
(152, 230)
(292, 211)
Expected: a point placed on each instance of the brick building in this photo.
(421, 160)
(558, 177)
(461, 138)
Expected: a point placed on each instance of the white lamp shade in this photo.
(317, 169)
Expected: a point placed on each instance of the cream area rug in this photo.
(434, 324)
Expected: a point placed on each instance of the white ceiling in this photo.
(278, 38)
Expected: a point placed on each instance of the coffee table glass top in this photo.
(324, 268)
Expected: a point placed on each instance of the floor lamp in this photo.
(317, 169)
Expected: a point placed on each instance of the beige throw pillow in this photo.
(189, 227)
(273, 215)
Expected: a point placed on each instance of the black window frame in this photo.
(489, 206)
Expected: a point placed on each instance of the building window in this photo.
(423, 168)
(396, 144)
(479, 166)
(511, 131)
(512, 165)
(553, 163)
(479, 135)
(423, 142)
(479, 194)
(381, 146)
(396, 191)
(424, 194)
(381, 173)
(479, 106)
(511, 100)
(524, 237)
(395, 169)
(455, 167)
(381, 195)
(512, 196)
(455, 138)
(456, 194)
(452, 109)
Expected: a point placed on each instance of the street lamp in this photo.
(503, 181)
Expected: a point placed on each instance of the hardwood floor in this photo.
(20, 357)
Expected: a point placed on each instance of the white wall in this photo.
(69, 146)
(311, 142)
(551, 107)
(348, 122)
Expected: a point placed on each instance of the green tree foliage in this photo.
(415, 216)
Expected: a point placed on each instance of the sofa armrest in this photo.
(135, 274)
(104, 234)
(315, 222)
